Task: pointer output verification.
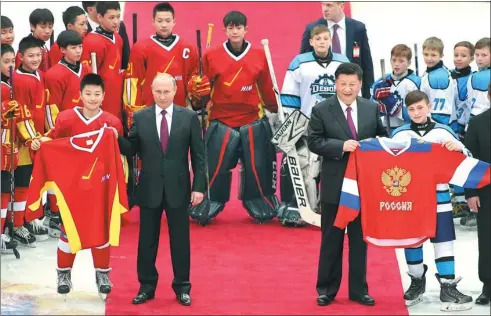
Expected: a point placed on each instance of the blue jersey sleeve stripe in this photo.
(290, 101)
(349, 200)
(476, 174)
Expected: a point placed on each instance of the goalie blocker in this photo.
(251, 144)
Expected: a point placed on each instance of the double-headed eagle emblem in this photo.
(396, 180)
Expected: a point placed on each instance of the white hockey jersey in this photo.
(440, 88)
(399, 89)
(308, 82)
(477, 98)
(460, 79)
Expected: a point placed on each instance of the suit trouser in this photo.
(484, 239)
(331, 255)
(148, 244)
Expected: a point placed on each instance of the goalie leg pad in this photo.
(258, 170)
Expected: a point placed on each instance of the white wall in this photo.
(391, 23)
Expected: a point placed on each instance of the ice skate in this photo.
(451, 298)
(24, 237)
(414, 293)
(37, 229)
(64, 281)
(104, 286)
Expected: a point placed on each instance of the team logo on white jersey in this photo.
(323, 87)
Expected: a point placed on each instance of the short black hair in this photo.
(69, 37)
(87, 4)
(91, 80)
(71, 13)
(349, 69)
(41, 16)
(416, 96)
(235, 18)
(103, 6)
(29, 42)
(6, 23)
(163, 7)
(6, 48)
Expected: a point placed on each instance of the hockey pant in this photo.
(65, 257)
(442, 244)
(310, 165)
(21, 183)
(251, 144)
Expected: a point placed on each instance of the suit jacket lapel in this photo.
(349, 38)
(362, 113)
(155, 133)
(337, 112)
(176, 122)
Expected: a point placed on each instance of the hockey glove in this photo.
(199, 87)
(7, 161)
(381, 89)
(9, 108)
(130, 111)
(390, 105)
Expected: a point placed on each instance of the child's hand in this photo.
(452, 146)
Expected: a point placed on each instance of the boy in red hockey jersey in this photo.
(238, 129)
(7, 36)
(74, 19)
(79, 120)
(163, 52)
(41, 22)
(29, 92)
(8, 106)
(108, 46)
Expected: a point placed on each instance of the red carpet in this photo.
(240, 267)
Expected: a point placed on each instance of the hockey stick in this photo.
(416, 64)
(202, 105)
(387, 116)
(10, 220)
(134, 159)
(298, 182)
(93, 61)
(208, 36)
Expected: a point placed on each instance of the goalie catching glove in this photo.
(9, 107)
(199, 87)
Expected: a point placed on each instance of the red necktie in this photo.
(336, 45)
(351, 123)
(164, 132)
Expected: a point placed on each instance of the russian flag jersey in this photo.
(392, 182)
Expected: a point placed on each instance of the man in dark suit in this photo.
(349, 37)
(89, 7)
(162, 135)
(334, 128)
(478, 140)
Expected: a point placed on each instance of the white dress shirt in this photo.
(168, 117)
(354, 112)
(92, 24)
(341, 33)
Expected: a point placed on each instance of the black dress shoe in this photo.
(324, 300)
(363, 300)
(483, 299)
(143, 297)
(184, 299)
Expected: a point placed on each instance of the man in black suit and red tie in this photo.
(163, 134)
(349, 37)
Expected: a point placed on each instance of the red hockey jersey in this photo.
(148, 58)
(88, 181)
(71, 122)
(54, 54)
(63, 85)
(241, 85)
(108, 49)
(387, 181)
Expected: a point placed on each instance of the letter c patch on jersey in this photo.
(185, 53)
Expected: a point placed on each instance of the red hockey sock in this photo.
(65, 257)
(53, 205)
(20, 197)
(101, 257)
(5, 198)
